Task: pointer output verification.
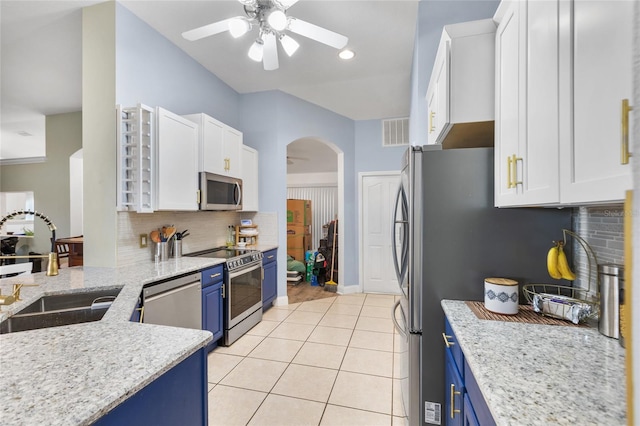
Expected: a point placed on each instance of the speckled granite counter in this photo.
(75, 374)
(542, 374)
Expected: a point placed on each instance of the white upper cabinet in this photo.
(460, 96)
(562, 71)
(177, 162)
(249, 179)
(220, 146)
(599, 70)
(526, 133)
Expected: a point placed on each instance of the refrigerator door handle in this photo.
(395, 321)
(395, 221)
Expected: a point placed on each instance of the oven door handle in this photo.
(244, 270)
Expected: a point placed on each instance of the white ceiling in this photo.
(41, 63)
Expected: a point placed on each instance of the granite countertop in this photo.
(73, 375)
(542, 374)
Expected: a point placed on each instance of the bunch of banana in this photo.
(557, 263)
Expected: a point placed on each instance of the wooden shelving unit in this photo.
(250, 238)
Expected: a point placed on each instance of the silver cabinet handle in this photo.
(215, 275)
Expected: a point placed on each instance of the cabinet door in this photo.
(233, 152)
(212, 146)
(454, 392)
(539, 149)
(438, 94)
(470, 418)
(177, 157)
(509, 109)
(602, 78)
(212, 310)
(270, 283)
(249, 179)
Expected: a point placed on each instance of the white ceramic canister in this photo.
(501, 295)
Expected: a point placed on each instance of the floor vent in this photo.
(395, 132)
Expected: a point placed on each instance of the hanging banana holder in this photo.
(52, 267)
(567, 302)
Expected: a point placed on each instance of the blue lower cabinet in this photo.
(212, 295)
(453, 403)
(270, 283)
(464, 403)
(178, 397)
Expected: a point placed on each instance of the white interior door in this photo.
(377, 198)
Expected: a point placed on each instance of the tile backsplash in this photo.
(603, 229)
(206, 230)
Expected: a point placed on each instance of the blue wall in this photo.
(274, 119)
(432, 15)
(371, 156)
(152, 70)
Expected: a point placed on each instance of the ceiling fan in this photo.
(270, 17)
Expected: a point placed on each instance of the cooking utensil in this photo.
(155, 236)
(169, 232)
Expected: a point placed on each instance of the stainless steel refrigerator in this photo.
(448, 238)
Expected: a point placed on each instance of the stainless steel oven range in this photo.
(242, 292)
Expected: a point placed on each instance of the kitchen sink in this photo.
(61, 309)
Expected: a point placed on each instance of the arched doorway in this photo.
(315, 171)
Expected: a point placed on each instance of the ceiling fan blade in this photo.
(207, 30)
(286, 4)
(319, 34)
(270, 59)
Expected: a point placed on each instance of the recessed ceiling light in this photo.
(24, 133)
(346, 54)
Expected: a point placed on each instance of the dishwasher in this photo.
(175, 302)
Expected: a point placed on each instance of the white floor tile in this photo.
(292, 331)
(344, 309)
(362, 391)
(219, 365)
(279, 410)
(372, 340)
(276, 314)
(231, 406)
(340, 321)
(313, 306)
(398, 407)
(351, 299)
(383, 325)
(320, 355)
(399, 421)
(365, 361)
(343, 416)
(303, 381)
(276, 349)
(255, 374)
(240, 347)
(331, 335)
(384, 300)
(375, 311)
(263, 328)
(302, 317)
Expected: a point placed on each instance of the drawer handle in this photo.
(216, 275)
(625, 132)
(270, 257)
(431, 126)
(446, 338)
(453, 408)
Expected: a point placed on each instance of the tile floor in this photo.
(322, 362)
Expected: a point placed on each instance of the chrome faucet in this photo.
(52, 267)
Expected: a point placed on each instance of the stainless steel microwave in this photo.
(219, 192)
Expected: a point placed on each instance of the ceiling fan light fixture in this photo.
(289, 44)
(277, 20)
(346, 54)
(256, 51)
(238, 27)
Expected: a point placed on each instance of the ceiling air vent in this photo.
(395, 132)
